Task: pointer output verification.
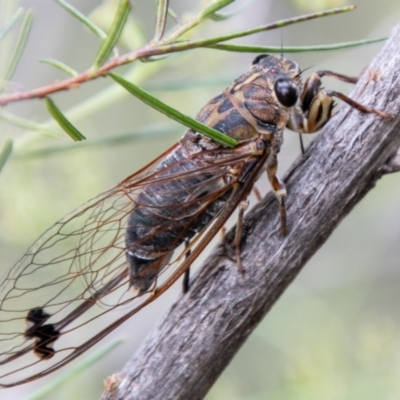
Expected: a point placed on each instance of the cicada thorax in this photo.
(256, 105)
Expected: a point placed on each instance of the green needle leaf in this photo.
(5, 152)
(27, 124)
(81, 17)
(214, 7)
(162, 13)
(173, 113)
(60, 65)
(10, 23)
(293, 49)
(63, 121)
(114, 33)
(223, 16)
(18, 49)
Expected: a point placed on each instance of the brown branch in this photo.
(184, 355)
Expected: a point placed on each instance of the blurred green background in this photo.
(335, 333)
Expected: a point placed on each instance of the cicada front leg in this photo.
(317, 104)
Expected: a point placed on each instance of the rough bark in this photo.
(184, 355)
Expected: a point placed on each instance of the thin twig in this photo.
(163, 47)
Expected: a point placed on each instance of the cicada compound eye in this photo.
(286, 92)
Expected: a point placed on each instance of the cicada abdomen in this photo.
(183, 201)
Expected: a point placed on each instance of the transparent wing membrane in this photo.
(77, 272)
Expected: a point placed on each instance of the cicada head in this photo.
(283, 75)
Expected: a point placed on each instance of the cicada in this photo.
(118, 252)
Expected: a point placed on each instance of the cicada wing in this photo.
(55, 302)
(73, 273)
